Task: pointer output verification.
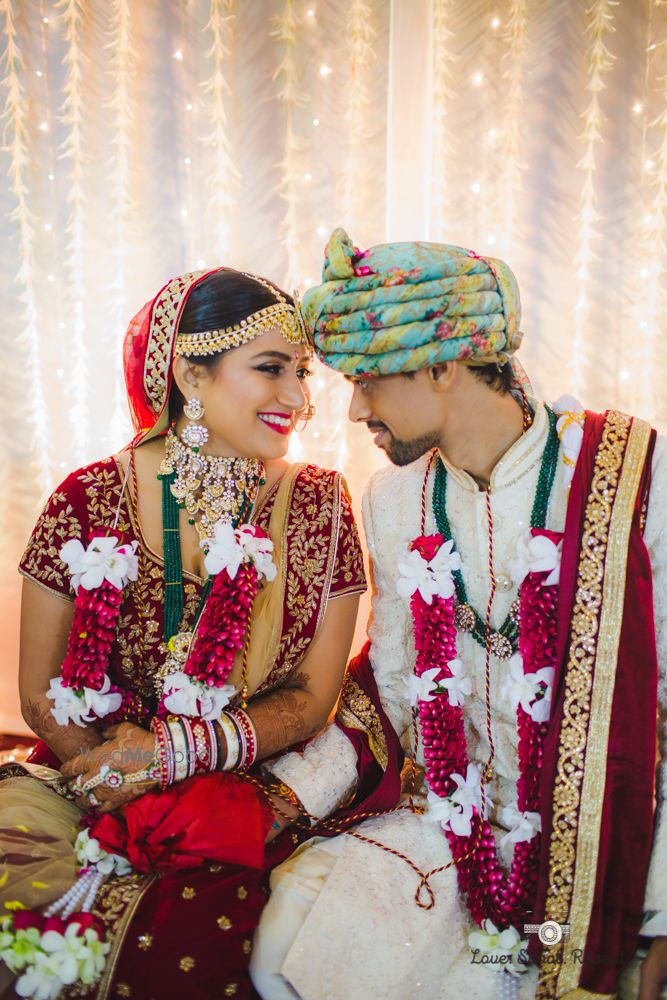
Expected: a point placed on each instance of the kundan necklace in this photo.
(211, 489)
(504, 640)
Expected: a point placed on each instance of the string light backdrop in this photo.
(143, 139)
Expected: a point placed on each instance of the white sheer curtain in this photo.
(142, 139)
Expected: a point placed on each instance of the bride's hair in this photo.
(221, 300)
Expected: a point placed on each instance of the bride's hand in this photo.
(284, 814)
(128, 749)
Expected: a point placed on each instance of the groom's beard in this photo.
(404, 452)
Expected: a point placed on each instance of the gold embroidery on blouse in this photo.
(187, 963)
(356, 711)
(309, 542)
(578, 684)
(40, 559)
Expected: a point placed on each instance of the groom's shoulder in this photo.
(397, 484)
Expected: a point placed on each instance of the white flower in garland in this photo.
(532, 691)
(259, 549)
(103, 559)
(18, 949)
(82, 705)
(425, 687)
(523, 826)
(63, 959)
(90, 854)
(536, 554)
(506, 945)
(422, 688)
(184, 695)
(459, 685)
(455, 812)
(545, 557)
(46, 961)
(230, 547)
(431, 578)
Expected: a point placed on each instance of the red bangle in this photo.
(247, 730)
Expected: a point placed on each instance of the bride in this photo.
(188, 607)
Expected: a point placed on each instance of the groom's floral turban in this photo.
(399, 307)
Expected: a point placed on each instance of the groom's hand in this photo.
(653, 973)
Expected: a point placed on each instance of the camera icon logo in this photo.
(550, 933)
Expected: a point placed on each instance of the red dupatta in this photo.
(597, 788)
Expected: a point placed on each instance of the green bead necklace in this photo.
(505, 640)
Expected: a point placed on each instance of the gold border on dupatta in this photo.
(356, 711)
(118, 905)
(162, 334)
(590, 676)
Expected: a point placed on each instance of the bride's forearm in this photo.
(65, 741)
(284, 717)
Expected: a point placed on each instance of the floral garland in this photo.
(83, 691)
(456, 797)
(198, 665)
(63, 945)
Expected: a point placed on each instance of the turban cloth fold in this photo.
(399, 307)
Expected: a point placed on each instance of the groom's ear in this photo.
(442, 376)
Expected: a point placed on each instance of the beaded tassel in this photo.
(173, 565)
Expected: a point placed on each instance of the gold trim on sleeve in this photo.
(356, 711)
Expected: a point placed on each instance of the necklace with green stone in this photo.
(211, 489)
(504, 641)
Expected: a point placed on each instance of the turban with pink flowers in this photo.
(399, 307)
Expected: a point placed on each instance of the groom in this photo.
(517, 647)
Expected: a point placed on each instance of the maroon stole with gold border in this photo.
(598, 776)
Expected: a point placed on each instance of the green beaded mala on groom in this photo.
(504, 641)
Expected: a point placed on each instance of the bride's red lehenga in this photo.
(187, 931)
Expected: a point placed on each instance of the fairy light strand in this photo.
(225, 174)
(514, 121)
(285, 31)
(443, 95)
(71, 116)
(17, 146)
(600, 60)
(652, 270)
(360, 36)
(120, 106)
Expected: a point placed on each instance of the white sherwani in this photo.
(342, 922)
